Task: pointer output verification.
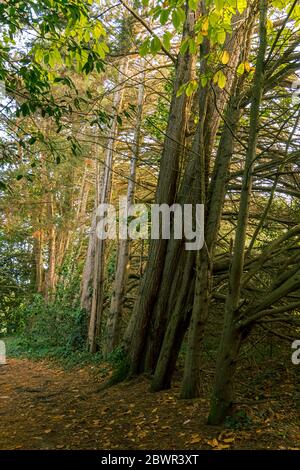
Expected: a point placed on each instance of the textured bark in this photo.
(191, 380)
(170, 283)
(229, 348)
(176, 328)
(39, 261)
(221, 400)
(213, 198)
(51, 272)
(96, 311)
(215, 103)
(166, 191)
(116, 307)
(87, 276)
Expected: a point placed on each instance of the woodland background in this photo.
(166, 102)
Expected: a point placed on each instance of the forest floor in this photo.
(43, 406)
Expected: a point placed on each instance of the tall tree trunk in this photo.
(87, 275)
(213, 198)
(215, 105)
(165, 193)
(117, 300)
(39, 261)
(230, 343)
(51, 273)
(176, 328)
(223, 157)
(96, 312)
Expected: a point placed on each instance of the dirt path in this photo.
(44, 407)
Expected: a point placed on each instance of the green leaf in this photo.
(241, 68)
(184, 46)
(87, 35)
(192, 86)
(181, 13)
(155, 45)
(167, 40)
(204, 81)
(193, 4)
(199, 39)
(192, 46)
(39, 55)
(219, 4)
(181, 89)
(164, 16)
(25, 109)
(221, 36)
(54, 58)
(175, 19)
(178, 17)
(213, 18)
(144, 48)
(98, 30)
(100, 48)
(32, 140)
(241, 5)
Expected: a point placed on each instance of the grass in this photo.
(18, 347)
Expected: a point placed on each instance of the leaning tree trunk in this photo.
(176, 328)
(230, 343)
(135, 336)
(225, 150)
(213, 198)
(117, 300)
(164, 306)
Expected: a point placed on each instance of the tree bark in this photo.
(223, 385)
(96, 312)
(165, 193)
(117, 300)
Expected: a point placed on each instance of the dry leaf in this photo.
(195, 439)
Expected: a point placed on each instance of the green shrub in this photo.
(52, 329)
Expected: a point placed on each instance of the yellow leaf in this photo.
(247, 66)
(217, 445)
(195, 439)
(220, 79)
(213, 443)
(222, 446)
(205, 25)
(241, 68)
(225, 58)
